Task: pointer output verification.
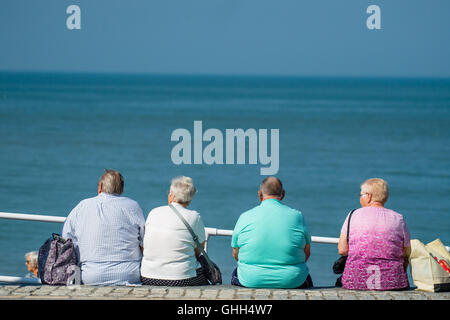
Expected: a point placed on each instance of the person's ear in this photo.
(170, 198)
(282, 195)
(99, 190)
(260, 195)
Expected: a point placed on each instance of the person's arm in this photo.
(197, 250)
(307, 252)
(343, 241)
(234, 240)
(343, 245)
(406, 244)
(236, 253)
(307, 248)
(68, 231)
(139, 221)
(406, 253)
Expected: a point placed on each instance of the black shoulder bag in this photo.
(212, 271)
(339, 264)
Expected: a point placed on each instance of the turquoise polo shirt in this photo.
(271, 239)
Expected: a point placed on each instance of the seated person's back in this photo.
(378, 245)
(271, 240)
(169, 247)
(170, 252)
(107, 231)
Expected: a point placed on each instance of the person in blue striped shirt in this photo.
(107, 232)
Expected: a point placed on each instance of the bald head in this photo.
(271, 187)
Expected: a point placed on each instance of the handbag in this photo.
(428, 265)
(212, 271)
(339, 264)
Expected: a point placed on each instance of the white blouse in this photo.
(168, 245)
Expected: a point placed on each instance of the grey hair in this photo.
(378, 188)
(183, 189)
(111, 182)
(33, 256)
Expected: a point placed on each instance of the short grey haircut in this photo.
(378, 188)
(183, 189)
(33, 257)
(111, 182)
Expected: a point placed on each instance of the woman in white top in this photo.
(169, 250)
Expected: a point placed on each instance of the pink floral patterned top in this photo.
(378, 237)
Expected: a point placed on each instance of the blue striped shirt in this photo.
(107, 231)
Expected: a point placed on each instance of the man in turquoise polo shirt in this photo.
(271, 243)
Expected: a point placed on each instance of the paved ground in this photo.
(16, 292)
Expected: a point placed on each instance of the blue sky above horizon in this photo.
(230, 37)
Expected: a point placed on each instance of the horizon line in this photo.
(225, 75)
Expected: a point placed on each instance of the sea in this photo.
(59, 131)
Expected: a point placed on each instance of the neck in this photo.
(270, 197)
(184, 205)
(376, 204)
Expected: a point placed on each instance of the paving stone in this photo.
(298, 295)
(244, 294)
(399, 296)
(418, 297)
(120, 291)
(383, 296)
(446, 295)
(227, 294)
(315, 297)
(60, 291)
(8, 289)
(280, 294)
(26, 290)
(43, 291)
(262, 294)
(175, 293)
(348, 296)
(140, 292)
(80, 291)
(4, 292)
(428, 295)
(209, 294)
(440, 297)
(101, 291)
(157, 292)
(330, 295)
(193, 294)
(366, 296)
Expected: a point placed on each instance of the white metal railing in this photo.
(209, 232)
(21, 280)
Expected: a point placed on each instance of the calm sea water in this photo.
(59, 131)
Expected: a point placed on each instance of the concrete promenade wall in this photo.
(220, 292)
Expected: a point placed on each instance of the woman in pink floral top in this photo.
(379, 244)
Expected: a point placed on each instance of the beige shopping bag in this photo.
(426, 272)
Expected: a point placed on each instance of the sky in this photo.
(230, 37)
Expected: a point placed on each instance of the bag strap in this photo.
(348, 224)
(194, 236)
